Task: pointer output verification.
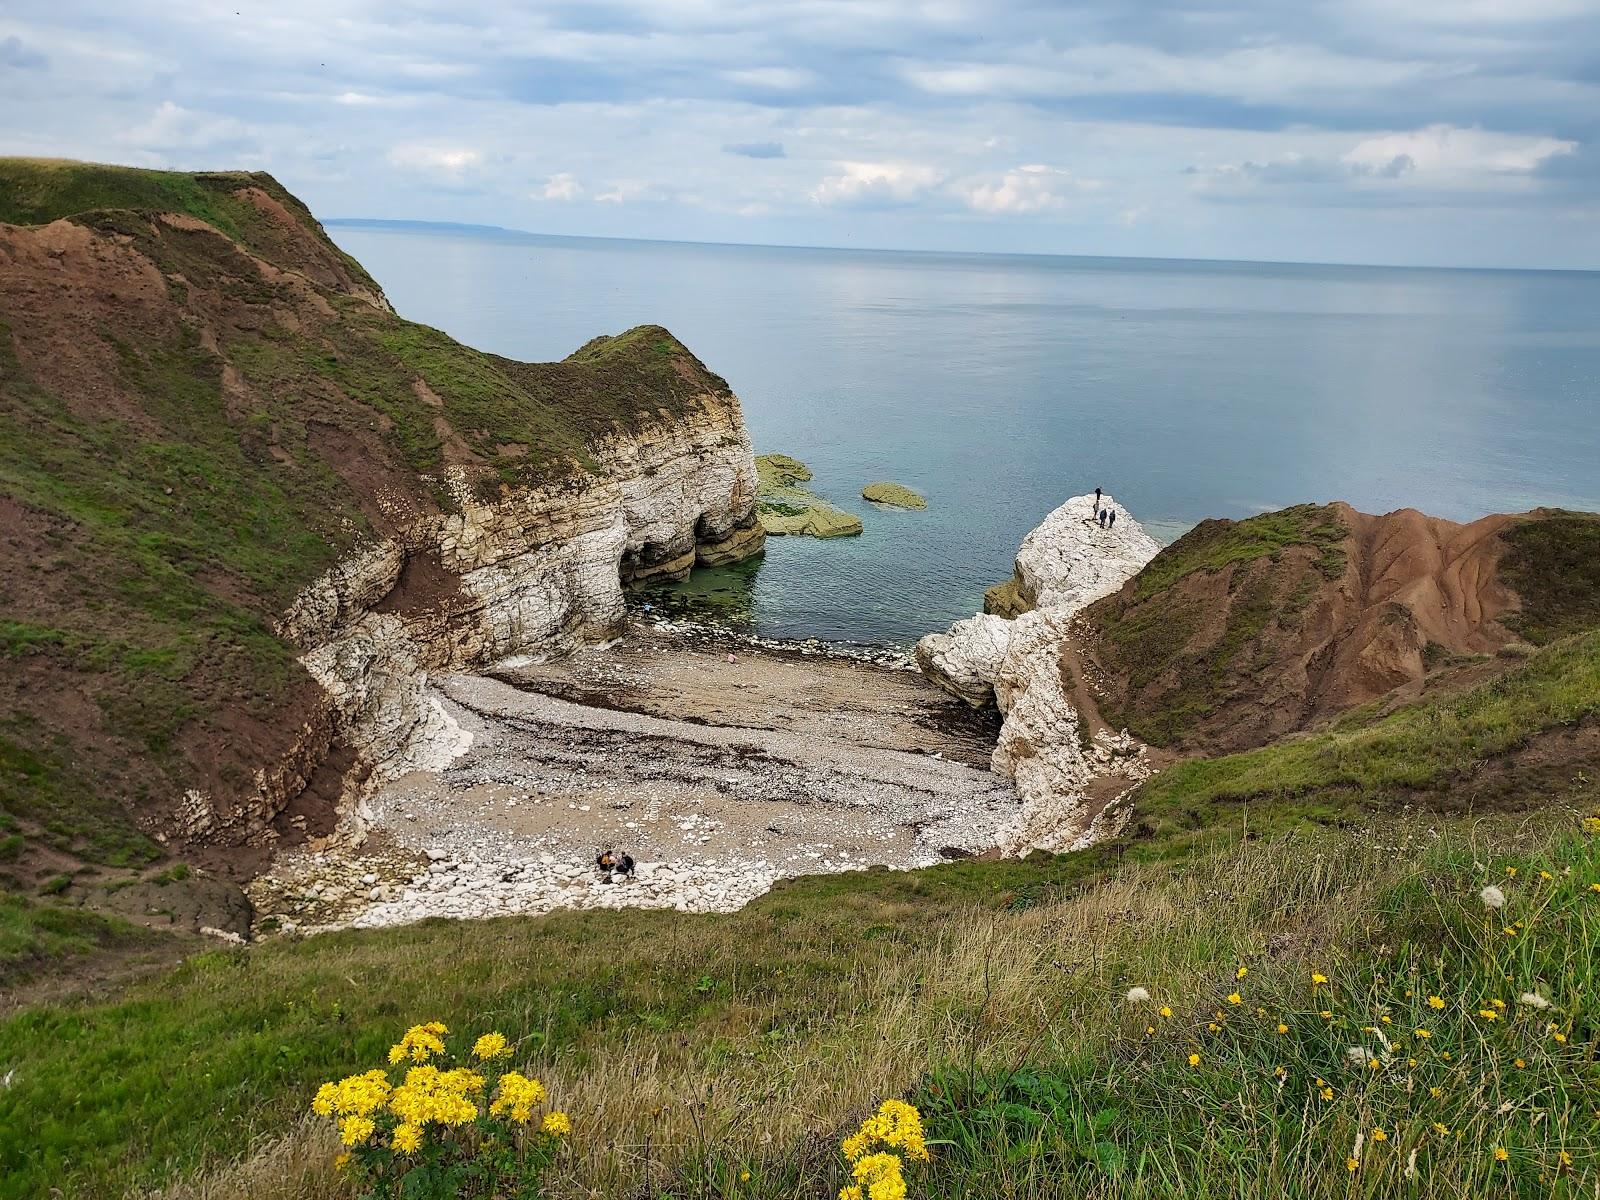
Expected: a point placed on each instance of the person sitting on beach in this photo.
(607, 862)
(625, 865)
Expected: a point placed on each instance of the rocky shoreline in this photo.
(810, 763)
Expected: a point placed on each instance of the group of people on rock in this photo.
(613, 865)
(1104, 514)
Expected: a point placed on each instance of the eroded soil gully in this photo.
(719, 777)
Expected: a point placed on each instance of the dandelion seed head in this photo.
(1492, 897)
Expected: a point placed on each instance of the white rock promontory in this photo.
(1064, 565)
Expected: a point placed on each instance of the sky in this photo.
(1439, 132)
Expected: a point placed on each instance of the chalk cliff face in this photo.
(1064, 766)
(540, 570)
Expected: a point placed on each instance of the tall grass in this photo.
(1013, 1032)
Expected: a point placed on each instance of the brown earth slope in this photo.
(203, 404)
(1242, 632)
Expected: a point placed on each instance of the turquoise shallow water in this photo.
(998, 385)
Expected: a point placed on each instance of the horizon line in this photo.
(413, 223)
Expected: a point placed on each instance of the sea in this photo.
(999, 385)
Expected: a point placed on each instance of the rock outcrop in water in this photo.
(1046, 747)
(787, 507)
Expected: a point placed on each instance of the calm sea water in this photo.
(998, 385)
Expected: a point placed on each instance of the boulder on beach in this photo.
(894, 495)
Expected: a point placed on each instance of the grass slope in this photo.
(1426, 754)
(990, 991)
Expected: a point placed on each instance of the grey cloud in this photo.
(755, 149)
(13, 53)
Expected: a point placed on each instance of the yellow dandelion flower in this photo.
(1445, 1054)
(1488, 1014)
(1501, 1154)
(558, 1124)
(1352, 1164)
(744, 1176)
(1518, 1063)
(1435, 1001)
(1282, 1028)
(1241, 972)
(1498, 1004)
(1327, 1093)
(1281, 1072)
(1411, 1062)
(1566, 1159)
(1545, 877)
(1318, 979)
(1424, 1033)
(1165, 1011)
(1378, 1134)
(1326, 1014)
(491, 1045)
(1194, 1060)
(1441, 1130)
(1374, 1063)
(1149, 1029)
(1595, 887)
(1214, 1027)
(1509, 932)
(1435, 1092)
(1235, 998)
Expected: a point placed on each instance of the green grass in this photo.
(1215, 544)
(35, 191)
(1429, 748)
(36, 935)
(1005, 1022)
(1553, 564)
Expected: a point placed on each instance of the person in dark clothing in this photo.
(1097, 504)
(606, 861)
(1111, 518)
(625, 865)
(1100, 518)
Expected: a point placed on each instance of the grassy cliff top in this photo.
(36, 191)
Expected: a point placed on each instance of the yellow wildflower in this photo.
(1518, 1063)
(1545, 877)
(1441, 1130)
(1326, 1014)
(1214, 1027)
(897, 1125)
(1327, 1093)
(558, 1124)
(1595, 887)
(1378, 1135)
(341, 1160)
(491, 1045)
(517, 1097)
(1566, 1159)
(420, 1043)
(1435, 1001)
(879, 1174)
(1424, 1033)
(355, 1130)
(850, 1191)
(1194, 1060)
(1498, 1004)
(407, 1138)
(1488, 1014)
(1282, 1028)
(1165, 1011)
(1352, 1164)
(1318, 979)
(1501, 1154)
(1241, 972)
(1435, 1092)
(1235, 998)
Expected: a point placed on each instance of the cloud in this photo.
(876, 185)
(14, 53)
(561, 187)
(1443, 149)
(434, 160)
(1028, 189)
(177, 136)
(754, 149)
(772, 78)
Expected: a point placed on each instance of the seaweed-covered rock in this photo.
(894, 495)
(787, 508)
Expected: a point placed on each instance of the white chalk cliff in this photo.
(540, 569)
(1064, 565)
